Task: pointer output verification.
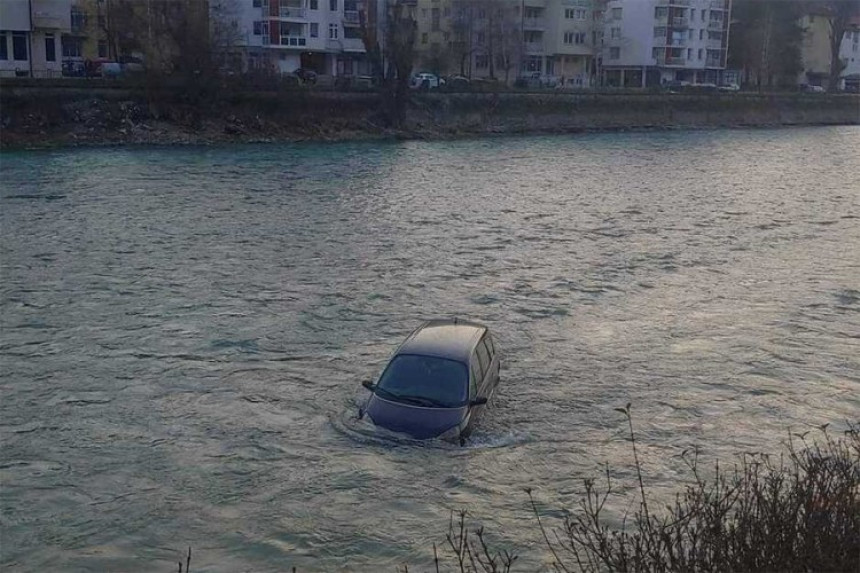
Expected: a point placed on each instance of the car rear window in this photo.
(427, 380)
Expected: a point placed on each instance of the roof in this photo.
(454, 339)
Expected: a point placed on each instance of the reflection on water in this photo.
(185, 332)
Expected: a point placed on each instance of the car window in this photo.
(483, 358)
(427, 380)
(476, 376)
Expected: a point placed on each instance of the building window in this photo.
(701, 33)
(258, 28)
(614, 53)
(4, 48)
(102, 21)
(703, 14)
(575, 13)
(50, 48)
(615, 33)
(446, 36)
(482, 62)
(332, 30)
(655, 53)
(315, 4)
(258, 3)
(332, 5)
(660, 32)
(661, 12)
(352, 33)
(616, 13)
(701, 51)
(479, 37)
(315, 30)
(103, 51)
(19, 47)
(692, 13)
(424, 37)
(434, 22)
(568, 37)
(690, 34)
(689, 53)
(79, 19)
(446, 12)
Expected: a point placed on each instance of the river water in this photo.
(184, 333)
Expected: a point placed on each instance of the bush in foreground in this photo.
(799, 511)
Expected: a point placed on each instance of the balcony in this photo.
(670, 42)
(718, 5)
(714, 63)
(671, 61)
(534, 47)
(715, 25)
(286, 41)
(673, 2)
(292, 12)
(538, 23)
(680, 22)
(351, 18)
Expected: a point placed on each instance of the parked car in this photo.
(812, 89)
(131, 64)
(729, 88)
(307, 76)
(426, 81)
(676, 86)
(437, 383)
(533, 80)
(458, 83)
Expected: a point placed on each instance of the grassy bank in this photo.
(34, 116)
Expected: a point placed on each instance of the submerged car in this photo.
(437, 383)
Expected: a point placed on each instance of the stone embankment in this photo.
(47, 117)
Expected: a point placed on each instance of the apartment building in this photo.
(579, 43)
(504, 39)
(815, 53)
(319, 35)
(30, 32)
(652, 42)
(86, 41)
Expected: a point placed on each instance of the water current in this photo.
(184, 333)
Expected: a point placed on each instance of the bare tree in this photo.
(839, 14)
(371, 33)
(391, 50)
(400, 51)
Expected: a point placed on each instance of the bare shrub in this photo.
(799, 511)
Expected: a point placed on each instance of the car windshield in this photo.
(425, 381)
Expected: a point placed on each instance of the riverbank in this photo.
(33, 117)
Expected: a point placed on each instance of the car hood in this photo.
(417, 421)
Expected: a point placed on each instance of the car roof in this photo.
(445, 338)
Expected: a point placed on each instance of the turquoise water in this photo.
(184, 333)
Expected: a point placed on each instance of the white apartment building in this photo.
(30, 32)
(284, 35)
(651, 42)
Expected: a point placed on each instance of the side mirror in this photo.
(480, 400)
(369, 385)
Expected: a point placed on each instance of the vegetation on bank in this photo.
(796, 511)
